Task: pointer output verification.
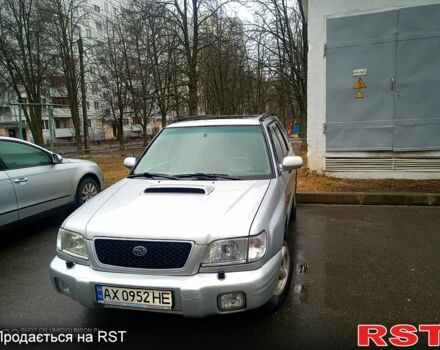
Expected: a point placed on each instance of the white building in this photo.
(373, 88)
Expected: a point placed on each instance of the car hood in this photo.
(222, 209)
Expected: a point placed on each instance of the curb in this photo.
(365, 198)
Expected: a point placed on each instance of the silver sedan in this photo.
(34, 181)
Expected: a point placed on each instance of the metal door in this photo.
(41, 188)
(39, 184)
(360, 42)
(417, 114)
(400, 108)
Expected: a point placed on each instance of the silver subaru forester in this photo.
(199, 227)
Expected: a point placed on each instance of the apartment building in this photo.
(99, 127)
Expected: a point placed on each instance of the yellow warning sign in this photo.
(359, 84)
(359, 95)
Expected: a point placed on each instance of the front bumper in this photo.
(194, 296)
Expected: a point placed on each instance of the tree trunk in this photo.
(144, 134)
(192, 95)
(121, 129)
(74, 111)
(36, 126)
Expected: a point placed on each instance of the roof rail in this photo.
(260, 117)
(266, 115)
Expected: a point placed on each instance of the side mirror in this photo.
(291, 163)
(129, 162)
(56, 158)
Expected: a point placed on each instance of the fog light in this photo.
(62, 286)
(231, 301)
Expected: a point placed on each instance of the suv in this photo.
(197, 228)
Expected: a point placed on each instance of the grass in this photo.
(114, 170)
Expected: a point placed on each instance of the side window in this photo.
(276, 143)
(17, 155)
(282, 136)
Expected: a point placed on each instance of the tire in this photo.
(87, 189)
(283, 286)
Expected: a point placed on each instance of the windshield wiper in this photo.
(153, 175)
(207, 176)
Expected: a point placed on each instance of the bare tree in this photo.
(223, 67)
(134, 54)
(283, 23)
(188, 18)
(110, 72)
(64, 18)
(24, 59)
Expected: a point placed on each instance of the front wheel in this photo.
(87, 189)
(284, 277)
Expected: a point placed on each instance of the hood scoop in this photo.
(178, 189)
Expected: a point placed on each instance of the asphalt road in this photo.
(354, 264)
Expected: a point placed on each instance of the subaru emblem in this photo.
(139, 251)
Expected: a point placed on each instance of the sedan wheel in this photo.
(87, 189)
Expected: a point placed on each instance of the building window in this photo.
(96, 104)
(89, 123)
(106, 6)
(97, 8)
(60, 102)
(45, 124)
(88, 33)
(98, 25)
(94, 89)
(88, 105)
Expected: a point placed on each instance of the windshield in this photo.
(238, 151)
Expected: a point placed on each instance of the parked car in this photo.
(34, 181)
(199, 227)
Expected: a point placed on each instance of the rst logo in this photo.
(401, 335)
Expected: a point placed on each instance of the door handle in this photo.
(391, 85)
(21, 179)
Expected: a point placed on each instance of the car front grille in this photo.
(153, 255)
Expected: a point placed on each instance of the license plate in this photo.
(140, 298)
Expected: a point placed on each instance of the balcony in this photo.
(60, 132)
(60, 113)
(9, 120)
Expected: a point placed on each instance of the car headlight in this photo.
(72, 244)
(236, 250)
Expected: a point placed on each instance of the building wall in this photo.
(318, 11)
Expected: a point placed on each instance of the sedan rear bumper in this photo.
(194, 296)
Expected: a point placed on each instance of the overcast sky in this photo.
(244, 13)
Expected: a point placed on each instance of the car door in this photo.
(39, 184)
(282, 149)
(8, 202)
